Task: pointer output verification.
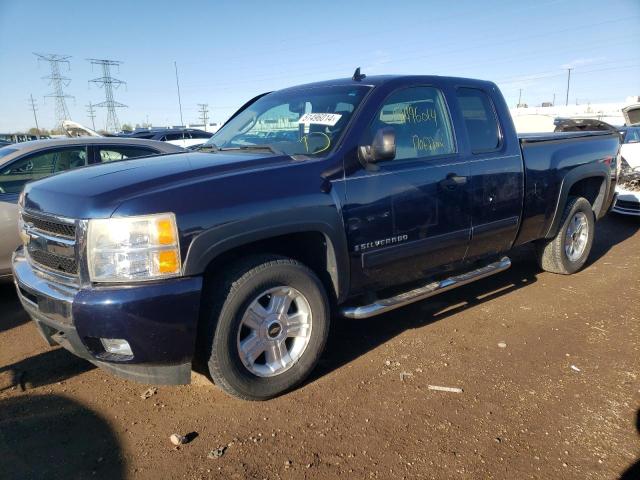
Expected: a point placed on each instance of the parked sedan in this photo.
(184, 137)
(23, 162)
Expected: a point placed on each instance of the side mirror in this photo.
(382, 148)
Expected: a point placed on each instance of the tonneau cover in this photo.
(543, 137)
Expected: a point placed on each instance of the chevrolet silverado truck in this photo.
(345, 198)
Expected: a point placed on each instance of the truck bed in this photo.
(553, 159)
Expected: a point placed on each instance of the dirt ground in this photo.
(549, 367)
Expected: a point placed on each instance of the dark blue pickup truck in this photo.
(353, 196)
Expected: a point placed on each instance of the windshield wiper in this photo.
(253, 147)
(211, 147)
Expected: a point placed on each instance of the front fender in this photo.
(325, 219)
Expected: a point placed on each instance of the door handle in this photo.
(452, 181)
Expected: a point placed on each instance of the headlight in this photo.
(133, 248)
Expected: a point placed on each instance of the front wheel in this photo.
(568, 251)
(268, 322)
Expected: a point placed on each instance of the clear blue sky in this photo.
(229, 51)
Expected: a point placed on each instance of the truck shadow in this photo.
(633, 472)
(610, 231)
(352, 338)
(46, 368)
(51, 436)
(11, 312)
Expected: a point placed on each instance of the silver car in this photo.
(24, 162)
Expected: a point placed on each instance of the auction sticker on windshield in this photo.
(320, 118)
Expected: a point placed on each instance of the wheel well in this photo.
(313, 249)
(591, 188)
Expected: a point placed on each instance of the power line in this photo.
(108, 83)
(204, 114)
(34, 108)
(91, 113)
(58, 81)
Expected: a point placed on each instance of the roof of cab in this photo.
(378, 80)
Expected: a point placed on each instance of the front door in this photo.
(409, 216)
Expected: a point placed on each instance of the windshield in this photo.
(631, 135)
(295, 122)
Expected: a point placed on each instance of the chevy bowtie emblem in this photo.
(24, 236)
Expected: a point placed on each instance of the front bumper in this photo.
(159, 320)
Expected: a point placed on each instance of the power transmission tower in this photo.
(91, 113)
(109, 83)
(204, 114)
(58, 82)
(34, 108)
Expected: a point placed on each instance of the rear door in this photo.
(43, 163)
(409, 216)
(495, 170)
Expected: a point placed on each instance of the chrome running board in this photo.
(426, 291)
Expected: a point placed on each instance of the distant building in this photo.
(540, 119)
(210, 127)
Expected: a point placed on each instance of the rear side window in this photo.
(480, 119)
(174, 136)
(200, 135)
(113, 153)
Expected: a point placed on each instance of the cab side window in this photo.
(480, 119)
(420, 120)
(39, 165)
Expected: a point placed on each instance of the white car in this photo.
(628, 189)
(630, 148)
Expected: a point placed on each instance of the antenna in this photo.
(357, 76)
(57, 81)
(175, 64)
(109, 83)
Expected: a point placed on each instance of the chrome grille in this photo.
(54, 262)
(50, 226)
(50, 243)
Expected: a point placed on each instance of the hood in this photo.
(96, 191)
(631, 114)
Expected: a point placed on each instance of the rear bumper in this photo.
(158, 320)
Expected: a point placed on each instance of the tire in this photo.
(560, 255)
(232, 335)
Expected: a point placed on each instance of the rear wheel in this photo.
(568, 251)
(267, 325)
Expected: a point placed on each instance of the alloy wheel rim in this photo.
(576, 237)
(274, 331)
